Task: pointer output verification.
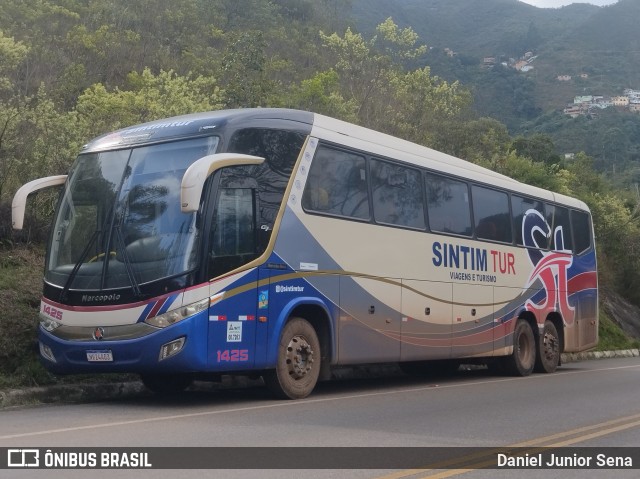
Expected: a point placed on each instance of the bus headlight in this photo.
(177, 315)
(49, 324)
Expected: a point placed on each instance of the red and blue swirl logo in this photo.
(550, 267)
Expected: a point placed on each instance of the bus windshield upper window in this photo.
(120, 222)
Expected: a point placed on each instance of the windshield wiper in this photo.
(76, 267)
(127, 263)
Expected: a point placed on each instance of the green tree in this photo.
(149, 97)
(423, 108)
(245, 72)
(36, 140)
(397, 44)
(482, 140)
(361, 72)
(372, 79)
(537, 147)
(321, 94)
(12, 54)
(12, 108)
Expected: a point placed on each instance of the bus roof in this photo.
(389, 146)
(192, 125)
(323, 127)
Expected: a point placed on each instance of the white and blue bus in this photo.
(281, 243)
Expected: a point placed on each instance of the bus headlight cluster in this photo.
(177, 315)
(49, 324)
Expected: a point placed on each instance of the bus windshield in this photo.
(119, 223)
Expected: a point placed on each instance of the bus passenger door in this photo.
(369, 320)
(233, 242)
(472, 320)
(426, 320)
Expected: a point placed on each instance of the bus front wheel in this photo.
(298, 363)
(523, 359)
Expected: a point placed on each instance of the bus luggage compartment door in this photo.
(426, 320)
(473, 326)
(369, 320)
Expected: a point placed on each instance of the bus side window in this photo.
(491, 212)
(280, 149)
(520, 206)
(233, 235)
(561, 237)
(448, 205)
(581, 231)
(397, 195)
(337, 184)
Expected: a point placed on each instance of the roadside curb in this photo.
(92, 392)
(623, 353)
(69, 393)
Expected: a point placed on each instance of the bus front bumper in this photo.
(179, 348)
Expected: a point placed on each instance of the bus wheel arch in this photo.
(298, 361)
(550, 344)
(319, 318)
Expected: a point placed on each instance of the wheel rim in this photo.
(299, 357)
(550, 346)
(525, 351)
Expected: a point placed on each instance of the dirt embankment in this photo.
(625, 314)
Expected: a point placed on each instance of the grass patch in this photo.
(21, 272)
(21, 269)
(612, 337)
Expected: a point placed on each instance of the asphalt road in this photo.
(593, 404)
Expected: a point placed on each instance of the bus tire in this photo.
(523, 359)
(298, 363)
(166, 383)
(548, 350)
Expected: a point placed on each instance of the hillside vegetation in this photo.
(598, 47)
(73, 69)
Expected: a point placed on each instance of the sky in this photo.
(561, 3)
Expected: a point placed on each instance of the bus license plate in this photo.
(99, 356)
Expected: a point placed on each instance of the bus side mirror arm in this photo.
(19, 203)
(196, 175)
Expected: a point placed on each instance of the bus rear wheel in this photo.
(298, 363)
(523, 359)
(548, 357)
